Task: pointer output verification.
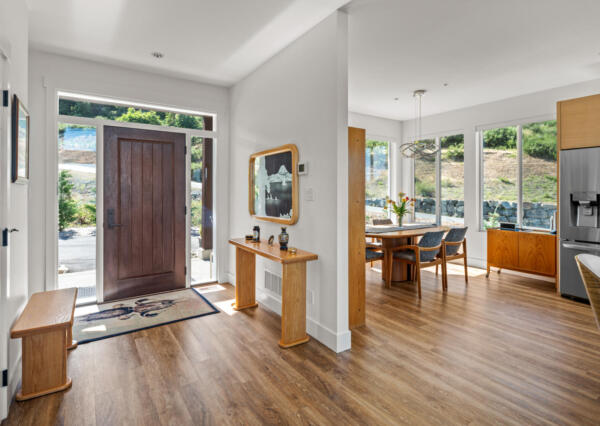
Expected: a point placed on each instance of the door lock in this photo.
(111, 219)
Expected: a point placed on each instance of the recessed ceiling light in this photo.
(445, 84)
(157, 55)
(396, 99)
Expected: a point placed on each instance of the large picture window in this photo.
(439, 183)
(377, 170)
(519, 175)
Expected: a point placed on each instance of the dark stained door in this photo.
(144, 212)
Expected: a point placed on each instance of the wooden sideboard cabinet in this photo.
(577, 122)
(532, 252)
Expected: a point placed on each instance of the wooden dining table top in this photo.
(404, 233)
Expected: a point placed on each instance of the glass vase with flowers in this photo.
(401, 207)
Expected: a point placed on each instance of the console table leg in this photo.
(293, 305)
(245, 280)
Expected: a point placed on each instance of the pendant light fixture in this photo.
(419, 148)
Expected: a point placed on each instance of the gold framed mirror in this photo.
(273, 185)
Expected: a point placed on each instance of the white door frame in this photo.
(4, 273)
(52, 232)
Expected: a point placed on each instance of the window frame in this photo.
(438, 173)
(390, 144)
(481, 164)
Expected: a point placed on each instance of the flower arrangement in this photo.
(400, 208)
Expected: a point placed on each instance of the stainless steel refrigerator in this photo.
(579, 219)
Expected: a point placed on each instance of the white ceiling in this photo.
(217, 41)
(484, 49)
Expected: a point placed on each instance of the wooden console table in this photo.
(45, 327)
(293, 285)
(533, 252)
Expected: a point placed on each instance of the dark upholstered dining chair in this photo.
(422, 255)
(451, 244)
(375, 243)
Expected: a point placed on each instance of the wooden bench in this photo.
(45, 329)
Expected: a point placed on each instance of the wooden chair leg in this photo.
(436, 270)
(466, 269)
(444, 276)
(418, 273)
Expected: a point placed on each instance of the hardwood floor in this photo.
(504, 350)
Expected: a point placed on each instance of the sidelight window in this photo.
(77, 209)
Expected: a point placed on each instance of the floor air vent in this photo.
(273, 282)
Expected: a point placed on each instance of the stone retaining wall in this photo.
(535, 214)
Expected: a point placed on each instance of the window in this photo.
(519, 175)
(201, 212)
(439, 183)
(500, 176)
(77, 209)
(452, 180)
(425, 187)
(377, 170)
(539, 174)
(80, 108)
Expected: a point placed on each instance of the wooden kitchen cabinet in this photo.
(578, 125)
(525, 251)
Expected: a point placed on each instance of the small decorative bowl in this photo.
(292, 250)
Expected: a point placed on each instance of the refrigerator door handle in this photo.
(580, 246)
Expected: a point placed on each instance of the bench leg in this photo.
(44, 364)
(71, 344)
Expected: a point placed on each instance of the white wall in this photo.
(50, 73)
(384, 129)
(535, 106)
(14, 41)
(300, 97)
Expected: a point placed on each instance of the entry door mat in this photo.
(96, 322)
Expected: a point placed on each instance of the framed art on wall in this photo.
(273, 185)
(20, 141)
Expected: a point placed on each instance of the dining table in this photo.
(394, 236)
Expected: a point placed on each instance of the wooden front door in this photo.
(144, 212)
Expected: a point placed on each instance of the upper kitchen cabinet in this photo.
(578, 122)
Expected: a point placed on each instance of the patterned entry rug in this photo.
(110, 319)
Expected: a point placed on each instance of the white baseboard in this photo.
(229, 278)
(14, 379)
(337, 342)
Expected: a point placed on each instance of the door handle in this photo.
(111, 219)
